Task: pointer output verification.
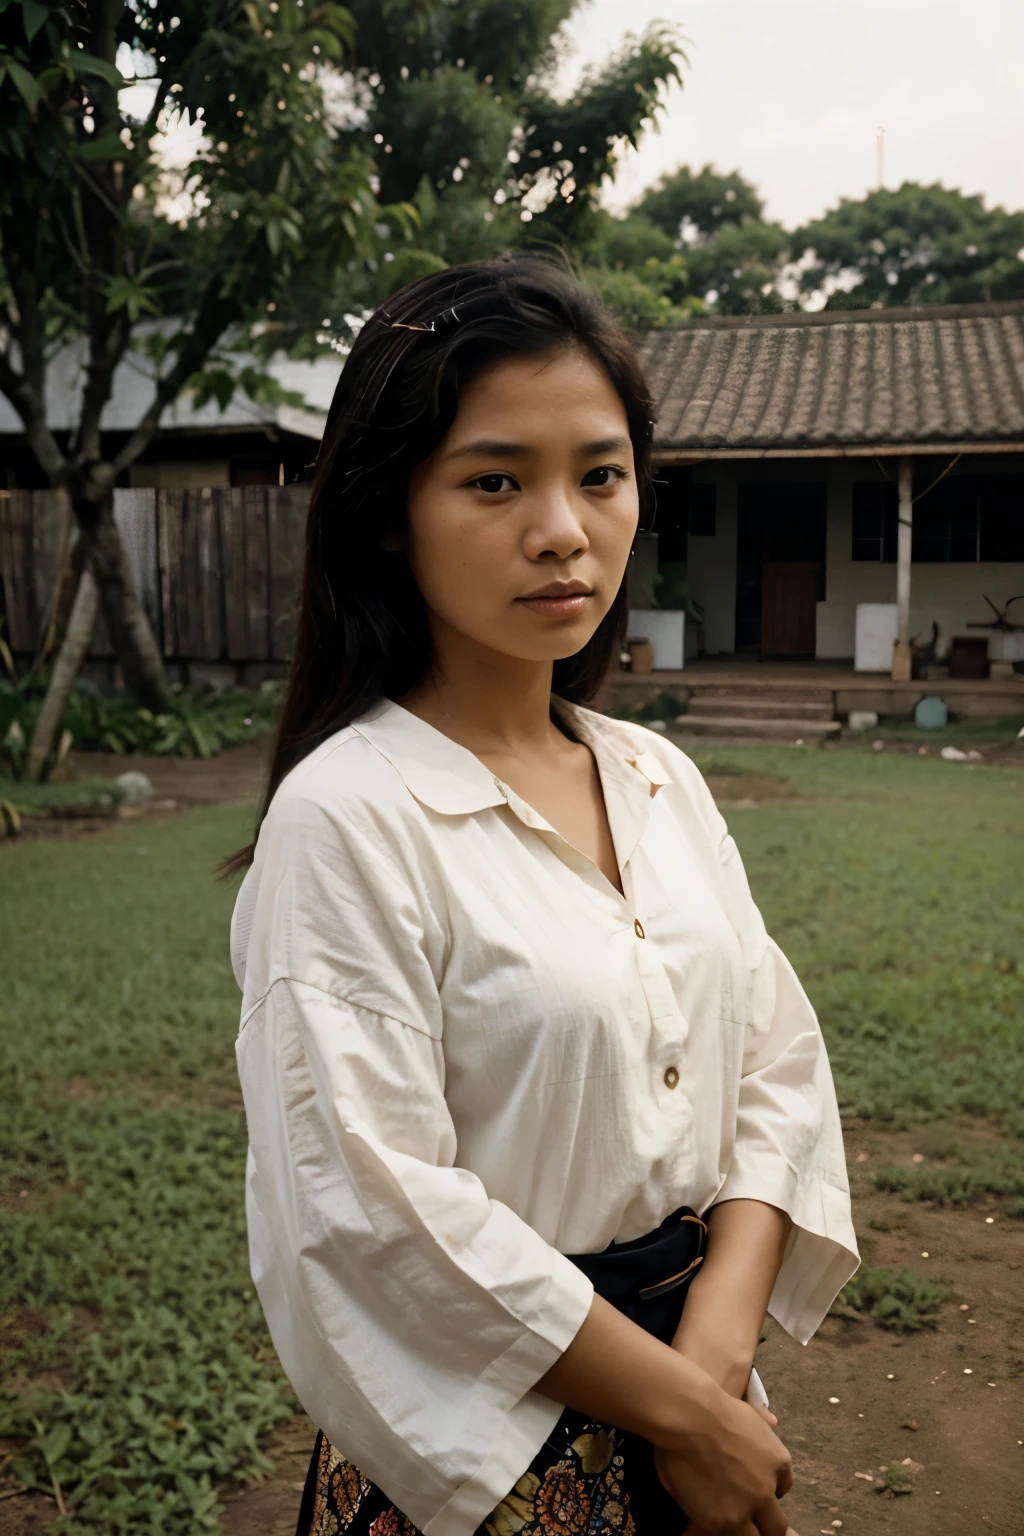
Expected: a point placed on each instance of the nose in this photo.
(556, 530)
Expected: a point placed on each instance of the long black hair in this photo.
(362, 630)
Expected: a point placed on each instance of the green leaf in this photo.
(56, 1444)
(35, 17)
(106, 147)
(136, 298)
(26, 84)
(87, 64)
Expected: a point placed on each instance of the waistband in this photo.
(647, 1278)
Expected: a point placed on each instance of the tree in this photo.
(105, 247)
(732, 254)
(456, 104)
(690, 204)
(913, 245)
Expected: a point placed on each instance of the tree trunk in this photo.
(76, 642)
(106, 583)
(130, 635)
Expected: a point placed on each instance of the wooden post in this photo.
(901, 664)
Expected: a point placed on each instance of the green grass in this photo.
(120, 1117)
(76, 797)
(958, 733)
(894, 884)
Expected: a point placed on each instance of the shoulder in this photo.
(656, 751)
(344, 785)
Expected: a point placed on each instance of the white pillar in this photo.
(901, 664)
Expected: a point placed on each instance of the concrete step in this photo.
(762, 728)
(779, 709)
(802, 693)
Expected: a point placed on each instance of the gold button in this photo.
(638, 928)
(671, 1077)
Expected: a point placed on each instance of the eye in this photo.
(494, 484)
(611, 474)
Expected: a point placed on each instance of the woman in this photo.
(522, 1069)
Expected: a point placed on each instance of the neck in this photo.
(482, 699)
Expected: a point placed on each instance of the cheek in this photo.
(458, 555)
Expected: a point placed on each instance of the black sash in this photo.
(648, 1278)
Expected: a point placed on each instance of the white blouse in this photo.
(464, 1054)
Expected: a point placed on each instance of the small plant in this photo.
(197, 724)
(896, 1479)
(894, 1298)
(672, 591)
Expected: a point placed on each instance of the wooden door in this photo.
(788, 611)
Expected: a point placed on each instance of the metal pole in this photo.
(901, 665)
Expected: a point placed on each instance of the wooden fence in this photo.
(217, 570)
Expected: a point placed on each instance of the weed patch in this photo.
(972, 1177)
(894, 1298)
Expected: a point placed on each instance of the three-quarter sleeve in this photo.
(788, 1149)
(412, 1313)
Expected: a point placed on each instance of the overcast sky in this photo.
(791, 93)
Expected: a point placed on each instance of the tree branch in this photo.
(215, 315)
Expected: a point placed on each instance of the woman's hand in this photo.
(728, 1478)
(769, 1521)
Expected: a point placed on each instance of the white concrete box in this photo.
(665, 628)
(875, 637)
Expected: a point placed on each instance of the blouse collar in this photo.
(451, 780)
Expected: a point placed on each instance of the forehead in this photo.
(538, 393)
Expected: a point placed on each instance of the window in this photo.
(960, 520)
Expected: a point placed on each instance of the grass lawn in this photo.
(130, 1336)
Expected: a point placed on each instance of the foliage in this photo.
(119, 1117)
(700, 203)
(893, 883)
(672, 591)
(913, 245)
(968, 1177)
(196, 724)
(455, 104)
(896, 1479)
(75, 797)
(894, 1298)
(731, 252)
(101, 239)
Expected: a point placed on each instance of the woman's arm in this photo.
(725, 1310)
(728, 1297)
(727, 1461)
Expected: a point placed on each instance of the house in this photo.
(814, 464)
(249, 443)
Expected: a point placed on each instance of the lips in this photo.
(557, 589)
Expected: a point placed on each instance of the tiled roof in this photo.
(849, 381)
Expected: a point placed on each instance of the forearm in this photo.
(619, 1374)
(728, 1298)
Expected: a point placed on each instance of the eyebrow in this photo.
(496, 448)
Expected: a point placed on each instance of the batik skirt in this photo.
(588, 1478)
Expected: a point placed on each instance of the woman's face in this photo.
(520, 523)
